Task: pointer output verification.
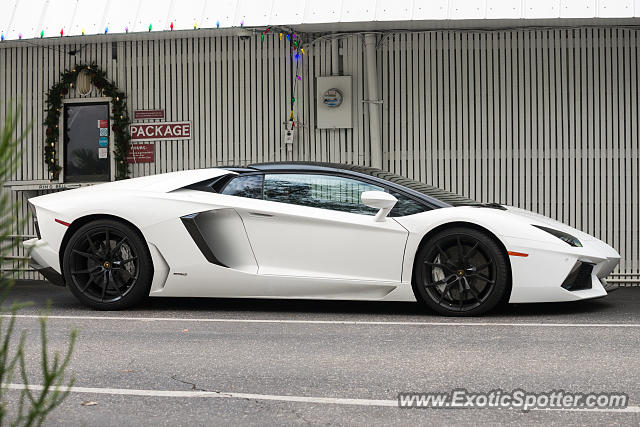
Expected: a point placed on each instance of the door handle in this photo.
(261, 215)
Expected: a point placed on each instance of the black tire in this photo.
(112, 279)
(460, 272)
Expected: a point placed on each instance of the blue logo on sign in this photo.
(103, 141)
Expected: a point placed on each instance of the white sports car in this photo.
(307, 230)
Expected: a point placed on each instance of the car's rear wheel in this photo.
(107, 265)
(461, 272)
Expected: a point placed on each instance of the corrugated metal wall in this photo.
(546, 120)
(542, 119)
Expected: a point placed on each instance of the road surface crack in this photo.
(194, 387)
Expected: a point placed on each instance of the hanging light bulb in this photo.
(106, 30)
(195, 25)
(302, 50)
(171, 26)
(150, 27)
(298, 77)
(61, 32)
(82, 31)
(2, 37)
(42, 34)
(20, 36)
(280, 36)
(217, 24)
(261, 37)
(242, 23)
(126, 29)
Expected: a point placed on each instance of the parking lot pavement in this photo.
(289, 362)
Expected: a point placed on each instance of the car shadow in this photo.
(360, 307)
(41, 294)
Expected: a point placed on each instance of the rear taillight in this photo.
(34, 218)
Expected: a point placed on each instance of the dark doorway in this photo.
(86, 142)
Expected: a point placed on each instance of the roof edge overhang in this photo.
(339, 27)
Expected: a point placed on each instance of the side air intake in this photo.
(579, 278)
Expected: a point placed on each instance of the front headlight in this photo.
(565, 237)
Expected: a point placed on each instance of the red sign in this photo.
(141, 153)
(160, 131)
(103, 124)
(148, 114)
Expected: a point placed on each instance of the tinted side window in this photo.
(249, 186)
(406, 206)
(319, 191)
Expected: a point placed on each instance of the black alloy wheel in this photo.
(107, 265)
(461, 272)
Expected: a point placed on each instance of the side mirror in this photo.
(379, 200)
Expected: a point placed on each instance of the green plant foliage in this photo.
(34, 402)
(119, 118)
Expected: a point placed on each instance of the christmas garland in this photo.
(119, 118)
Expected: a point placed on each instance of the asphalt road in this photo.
(268, 355)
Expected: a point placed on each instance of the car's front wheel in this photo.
(461, 272)
(107, 265)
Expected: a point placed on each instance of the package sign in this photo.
(103, 141)
(103, 124)
(104, 131)
(148, 114)
(141, 153)
(103, 153)
(160, 131)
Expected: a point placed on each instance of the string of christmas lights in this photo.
(296, 48)
(126, 30)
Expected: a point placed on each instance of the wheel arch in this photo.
(79, 222)
(428, 235)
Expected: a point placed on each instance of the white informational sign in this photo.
(103, 153)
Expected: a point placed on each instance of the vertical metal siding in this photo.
(542, 119)
(546, 120)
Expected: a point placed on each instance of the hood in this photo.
(537, 219)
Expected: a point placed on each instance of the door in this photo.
(86, 142)
(315, 226)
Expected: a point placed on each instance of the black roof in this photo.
(445, 198)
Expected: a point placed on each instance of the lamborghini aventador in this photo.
(307, 230)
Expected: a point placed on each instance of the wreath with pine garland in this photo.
(119, 118)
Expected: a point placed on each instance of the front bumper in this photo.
(540, 276)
